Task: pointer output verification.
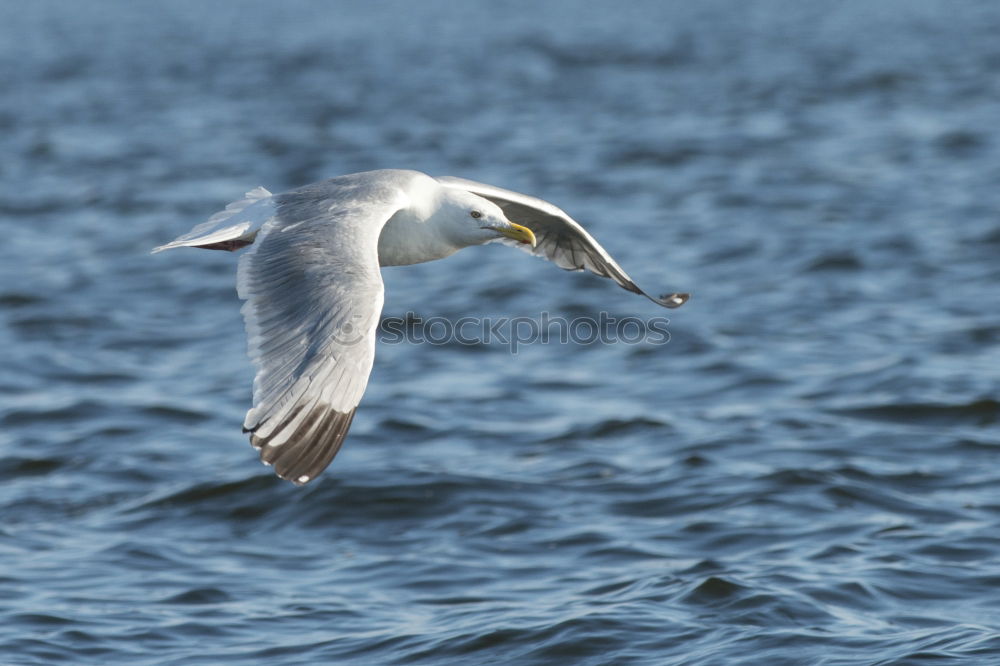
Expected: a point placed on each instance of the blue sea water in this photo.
(807, 473)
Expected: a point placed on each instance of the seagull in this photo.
(313, 290)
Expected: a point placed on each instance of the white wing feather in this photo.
(231, 228)
(560, 238)
(313, 295)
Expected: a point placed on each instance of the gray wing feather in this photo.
(313, 295)
(560, 239)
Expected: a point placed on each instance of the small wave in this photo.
(82, 409)
(979, 413)
(612, 428)
(960, 143)
(714, 589)
(852, 494)
(664, 156)
(68, 412)
(249, 488)
(408, 426)
(18, 467)
(198, 595)
(45, 326)
(835, 261)
(876, 81)
(594, 55)
(176, 413)
(846, 594)
(17, 299)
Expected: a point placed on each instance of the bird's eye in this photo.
(476, 214)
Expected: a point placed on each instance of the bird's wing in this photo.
(313, 295)
(560, 238)
(232, 228)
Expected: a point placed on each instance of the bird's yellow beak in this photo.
(519, 233)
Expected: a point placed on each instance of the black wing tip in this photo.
(309, 450)
(672, 300)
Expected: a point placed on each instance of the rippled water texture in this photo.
(806, 474)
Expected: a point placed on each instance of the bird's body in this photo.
(313, 288)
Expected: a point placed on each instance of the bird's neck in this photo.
(409, 237)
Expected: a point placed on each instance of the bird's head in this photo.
(473, 220)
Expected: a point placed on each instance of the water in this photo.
(806, 474)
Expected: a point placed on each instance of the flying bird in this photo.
(313, 290)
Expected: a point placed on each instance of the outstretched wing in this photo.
(229, 229)
(313, 295)
(560, 238)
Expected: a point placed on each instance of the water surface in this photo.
(806, 473)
